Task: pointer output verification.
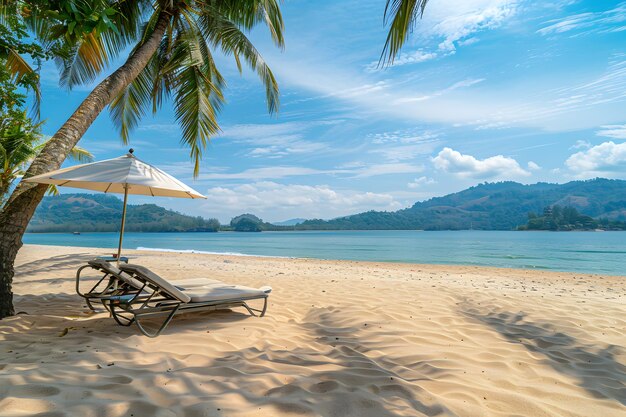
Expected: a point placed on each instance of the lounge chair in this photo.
(115, 282)
(161, 298)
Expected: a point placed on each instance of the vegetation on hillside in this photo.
(557, 218)
(102, 213)
(496, 206)
(246, 223)
(490, 206)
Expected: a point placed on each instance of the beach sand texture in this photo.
(340, 339)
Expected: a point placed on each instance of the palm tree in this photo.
(402, 14)
(172, 59)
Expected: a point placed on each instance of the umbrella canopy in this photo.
(123, 175)
(118, 175)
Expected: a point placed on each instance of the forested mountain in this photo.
(491, 206)
(102, 213)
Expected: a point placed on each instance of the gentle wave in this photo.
(602, 253)
(204, 252)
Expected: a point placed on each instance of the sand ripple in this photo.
(340, 339)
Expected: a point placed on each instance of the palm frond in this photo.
(81, 155)
(247, 14)
(52, 190)
(130, 105)
(198, 95)
(402, 14)
(82, 62)
(17, 66)
(21, 70)
(225, 34)
(128, 18)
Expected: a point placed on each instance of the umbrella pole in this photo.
(119, 247)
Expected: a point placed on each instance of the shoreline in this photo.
(460, 266)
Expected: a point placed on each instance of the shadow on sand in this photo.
(56, 263)
(595, 368)
(334, 371)
(64, 352)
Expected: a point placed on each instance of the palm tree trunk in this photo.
(22, 204)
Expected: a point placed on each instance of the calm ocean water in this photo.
(593, 252)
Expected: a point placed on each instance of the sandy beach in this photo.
(340, 338)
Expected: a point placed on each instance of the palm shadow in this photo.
(59, 350)
(334, 371)
(596, 369)
(59, 262)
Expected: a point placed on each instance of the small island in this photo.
(562, 219)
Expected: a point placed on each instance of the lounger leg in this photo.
(91, 307)
(120, 319)
(253, 310)
(163, 325)
(264, 307)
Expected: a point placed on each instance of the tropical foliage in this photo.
(401, 16)
(557, 218)
(171, 61)
(20, 137)
(85, 35)
(15, 51)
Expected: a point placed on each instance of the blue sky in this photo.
(486, 90)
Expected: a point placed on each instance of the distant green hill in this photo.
(102, 213)
(490, 206)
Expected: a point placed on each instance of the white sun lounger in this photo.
(115, 282)
(158, 298)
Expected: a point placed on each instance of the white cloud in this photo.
(277, 172)
(533, 166)
(404, 59)
(402, 145)
(387, 169)
(612, 20)
(606, 159)
(467, 166)
(460, 84)
(581, 144)
(405, 152)
(276, 140)
(404, 136)
(613, 131)
(454, 21)
(263, 173)
(418, 182)
(578, 106)
(273, 201)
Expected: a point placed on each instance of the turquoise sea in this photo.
(592, 252)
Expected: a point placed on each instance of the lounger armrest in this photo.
(266, 289)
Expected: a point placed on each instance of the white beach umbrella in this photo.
(124, 175)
